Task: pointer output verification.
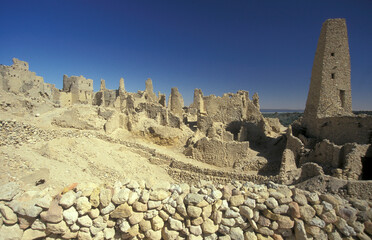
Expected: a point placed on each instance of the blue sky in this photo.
(219, 46)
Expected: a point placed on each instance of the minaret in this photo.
(330, 88)
(103, 85)
(121, 85)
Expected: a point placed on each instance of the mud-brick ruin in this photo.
(217, 169)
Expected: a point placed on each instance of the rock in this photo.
(347, 213)
(307, 212)
(318, 209)
(94, 197)
(68, 199)
(313, 198)
(344, 228)
(329, 217)
(209, 227)
(299, 197)
(150, 214)
(282, 209)
(237, 200)
(317, 222)
(54, 213)
(26, 204)
(153, 235)
(83, 205)
(236, 233)
(157, 223)
(12, 232)
(94, 213)
(267, 213)
(108, 209)
(266, 231)
(38, 225)
(368, 227)
(9, 217)
(109, 233)
(84, 235)
(105, 197)
(271, 203)
(250, 203)
(285, 222)
(330, 199)
(196, 230)
(136, 218)
(140, 207)
(133, 196)
(121, 196)
(153, 204)
(169, 234)
(85, 221)
(193, 198)
(33, 234)
(230, 222)
(159, 195)
(124, 226)
(250, 235)
(57, 228)
(123, 211)
(334, 236)
(199, 220)
(145, 225)
(44, 202)
(216, 194)
(193, 211)
(8, 191)
(300, 232)
(175, 224)
(70, 215)
(133, 184)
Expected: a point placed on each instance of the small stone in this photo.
(330, 199)
(209, 227)
(68, 199)
(300, 232)
(110, 208)
(38, 225)
(175, 224)
(193, 198)
(193, 211)
(54, 213)
(93, 213)
(266, 231)
(228, 222)
(196, 230)
(317, 222)
(313, 198)
(145, 225)
(159, 195)
(9, 217)
(168, 234)
(153, 204)
(109, 233)
(121, 196)
(85, 221)
(33, 234)
(237, 200)
(157, 223)
(246, 212)
(105, 197)
(12, 232)
(123, 211)
(135, 218)
(250, 203)
(250, 235)
(153, 235)
(199, 220)
(368, 227)
(329, 217)
(285, 222)
(267, 213)
(83, 205)
(344, 228)
(57, 228)
(307, 212)
(236, 233)
(151, 213)
(94, 197)
(8, 191)
(140, 207)
(299, 197)
(133, 196)
(70, 215)
(282, 209)
(264, 222)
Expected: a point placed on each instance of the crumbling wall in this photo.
(81, 89)
(342, 129)
(18, 79)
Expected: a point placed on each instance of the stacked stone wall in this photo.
(145, 210)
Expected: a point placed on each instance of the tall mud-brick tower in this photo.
(330, 90)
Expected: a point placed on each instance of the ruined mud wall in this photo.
(169, 211)
(341, 130)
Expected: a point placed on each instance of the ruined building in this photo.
(329, 138)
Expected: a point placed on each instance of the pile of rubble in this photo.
(132, 209)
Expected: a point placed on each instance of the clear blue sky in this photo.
(219, 46)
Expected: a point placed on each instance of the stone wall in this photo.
(139, 210)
